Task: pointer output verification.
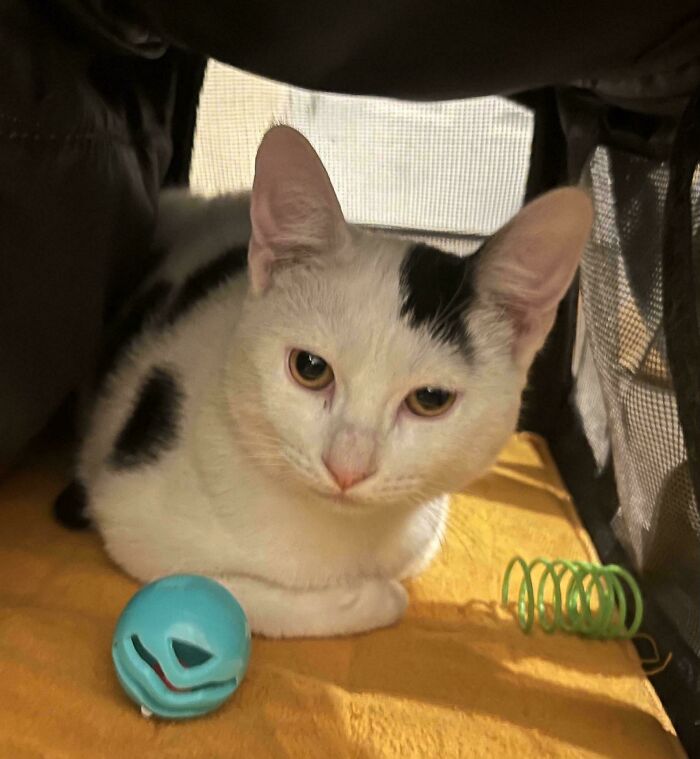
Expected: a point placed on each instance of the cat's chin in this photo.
(349, 503)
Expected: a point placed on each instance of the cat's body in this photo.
(208, 452)
(202, 504)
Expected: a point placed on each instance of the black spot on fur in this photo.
(437, 289)
(205, 279)
(125, 329)
(70, 506)
(153, 425)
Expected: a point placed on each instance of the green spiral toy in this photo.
(575, 597)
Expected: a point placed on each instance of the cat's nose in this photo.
(347, 477)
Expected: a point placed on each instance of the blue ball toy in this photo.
(181, 646)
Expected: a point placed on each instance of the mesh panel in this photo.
(455, 170)
(621, 288)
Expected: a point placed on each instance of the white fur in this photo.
(244, 496)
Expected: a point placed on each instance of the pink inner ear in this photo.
(531, 262)
(294, 209)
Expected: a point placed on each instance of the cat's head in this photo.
(373, 371)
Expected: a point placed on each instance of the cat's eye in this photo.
(430, 401)
(309, 370)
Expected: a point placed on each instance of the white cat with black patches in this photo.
(291, 427)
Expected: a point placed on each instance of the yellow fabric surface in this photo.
(456, 678)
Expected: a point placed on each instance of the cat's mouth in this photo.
(348, 503)
(338, 497)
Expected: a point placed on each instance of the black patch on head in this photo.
(205, 279)
(70, 506)
(131, 324)
(154, 423)
(437, 289)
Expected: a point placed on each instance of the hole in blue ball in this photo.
(144, 653)
(190, 655)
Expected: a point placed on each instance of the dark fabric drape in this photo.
(97, 109)
(418, 49)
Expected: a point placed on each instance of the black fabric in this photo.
(660, 138)
(681, 267)
(440, 49)
(86, 140)
(190, 76)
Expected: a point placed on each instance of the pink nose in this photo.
(346, 478)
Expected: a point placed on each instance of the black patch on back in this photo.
(154, 423)
(205, 279)
(437, 289)
(125, 329)
(70, 506)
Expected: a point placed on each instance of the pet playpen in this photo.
(616, 392)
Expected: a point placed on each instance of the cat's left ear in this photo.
(294, 210)
(528, 265)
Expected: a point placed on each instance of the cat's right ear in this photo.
(528, 265)
(294, 210)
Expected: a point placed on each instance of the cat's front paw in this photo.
(373, 604)
(279, 612)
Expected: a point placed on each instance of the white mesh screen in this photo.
(454, 169)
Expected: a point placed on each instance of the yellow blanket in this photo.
(456, 678)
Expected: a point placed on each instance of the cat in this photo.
(292, 397)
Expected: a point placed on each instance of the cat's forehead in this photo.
(437, 290)
(426, 289)
(396, 297)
